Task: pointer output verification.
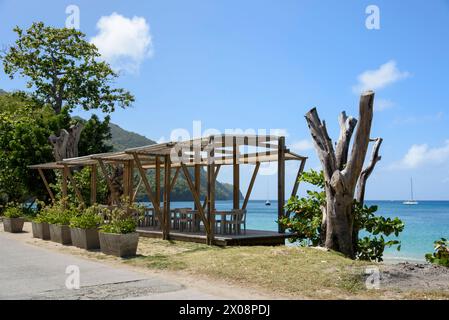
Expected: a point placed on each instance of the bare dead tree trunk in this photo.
(342, 171)
(66, 145)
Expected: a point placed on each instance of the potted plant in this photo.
(118, 235)
(13, 219)
(84, 229)
(40, 226)
(58, 217)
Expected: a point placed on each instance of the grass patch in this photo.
(284, 270)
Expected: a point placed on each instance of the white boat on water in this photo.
(268, 203)
(411, 202)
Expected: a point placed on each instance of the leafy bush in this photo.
(13, 211)
(440, 255)
(17, 210)
(307, 214)
(91, 218)
(123, 218)
(59, 213)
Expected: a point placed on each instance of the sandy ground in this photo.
(181, 285)
(415, 276)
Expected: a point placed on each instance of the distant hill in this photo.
(2, 92)
(123, 139)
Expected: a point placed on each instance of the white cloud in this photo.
(123, 42)
(383, 104)
(387, 74)
(421, 154)
(302, 145)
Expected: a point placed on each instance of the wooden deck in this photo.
(250, 238)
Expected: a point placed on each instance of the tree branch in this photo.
(347, 126)
(375, 158)
(322, 142)
(360, 147)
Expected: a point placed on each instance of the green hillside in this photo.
(123, 139)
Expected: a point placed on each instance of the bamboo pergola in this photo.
(211, 152)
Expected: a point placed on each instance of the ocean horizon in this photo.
(424, 223)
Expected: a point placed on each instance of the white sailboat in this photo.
(268, 203)
(411, 202)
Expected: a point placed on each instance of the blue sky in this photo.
(264, 64)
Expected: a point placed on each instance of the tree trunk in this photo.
(66, 145)
(341, 171)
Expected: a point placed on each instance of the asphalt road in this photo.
(29, 272)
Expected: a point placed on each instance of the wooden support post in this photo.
(64, 184)
(152, 198)
(251, 185)
(75, 187)
(167, 183)
(281, 181)
(196, 198)
(131, 180)
(47, 186)
(125, 179)
(236, 174)
(93, 184)
(108, 181)
(300, 171)
(158, 181)
(211, 202)
(197, 173)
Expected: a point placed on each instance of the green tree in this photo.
(65, 72)
(23, 142)
(94, 136)
(63, 69)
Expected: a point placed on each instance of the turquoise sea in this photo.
(424, 223)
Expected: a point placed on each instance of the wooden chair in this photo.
(185, 219)
(238, 218)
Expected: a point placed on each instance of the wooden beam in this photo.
(75, 187)
(281, 181)
(236, 175)
(137, 189)
(173, 182)
(47, 186)
(93, 184)
(108, 181)
(167, 183)
(300, 171)
(196, 197)
(143, 175)
(216, 175)
(251, 184)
